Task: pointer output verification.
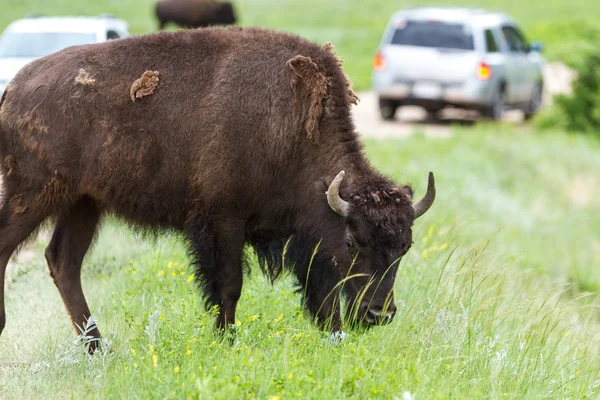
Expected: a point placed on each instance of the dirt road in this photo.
(557, 79)
(408, 120)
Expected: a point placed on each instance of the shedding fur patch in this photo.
(31, 123)
(144, 86)
(309, 82)
(16, 204)
(54, 191)
(11, 165)
(352, 97)
(84, 78)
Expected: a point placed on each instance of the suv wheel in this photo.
(495, 109)
(387, 109)
(433, 114)
(535, 103)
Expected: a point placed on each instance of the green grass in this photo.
(353, 26)
(492, 297)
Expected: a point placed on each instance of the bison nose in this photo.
(378, 316)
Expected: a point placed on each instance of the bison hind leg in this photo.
(19, 219)
(73, 235)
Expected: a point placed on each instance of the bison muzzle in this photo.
(234, 137)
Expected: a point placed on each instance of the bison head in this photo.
(378, 234)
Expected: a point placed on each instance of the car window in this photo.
(433, 34)
(110, 35)
(39, 44)
(491, 46)
(515, 40)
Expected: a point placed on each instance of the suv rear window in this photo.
(39, 44)
(433, 34)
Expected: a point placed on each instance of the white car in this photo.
(461, 57)
(26, 39)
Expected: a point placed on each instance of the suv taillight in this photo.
(484, 71)
(379, 62)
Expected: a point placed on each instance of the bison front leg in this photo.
(217, 248)
(319, 284)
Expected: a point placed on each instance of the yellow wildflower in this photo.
(155, 360)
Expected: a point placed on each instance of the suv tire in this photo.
(387, 109)
(536, 102)
(495, 110)
(433, 114)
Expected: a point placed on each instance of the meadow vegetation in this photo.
(497, 298)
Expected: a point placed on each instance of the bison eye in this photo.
(349, 242)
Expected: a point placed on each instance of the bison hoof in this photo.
(338, 337)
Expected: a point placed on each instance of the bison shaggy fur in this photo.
(231, 136)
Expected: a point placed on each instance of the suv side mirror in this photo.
(536, 47)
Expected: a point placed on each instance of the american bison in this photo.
(236, 136)
(194, 13)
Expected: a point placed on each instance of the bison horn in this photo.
(336, 203)
(425, 203)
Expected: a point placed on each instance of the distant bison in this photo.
(235, 137)
(194, 13)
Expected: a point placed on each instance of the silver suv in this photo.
(466, 58)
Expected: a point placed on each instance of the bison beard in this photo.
(236, 137)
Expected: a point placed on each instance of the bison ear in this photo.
(310, 85)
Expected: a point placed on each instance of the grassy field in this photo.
(354, 26)
(497, 298)
(492, 298)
